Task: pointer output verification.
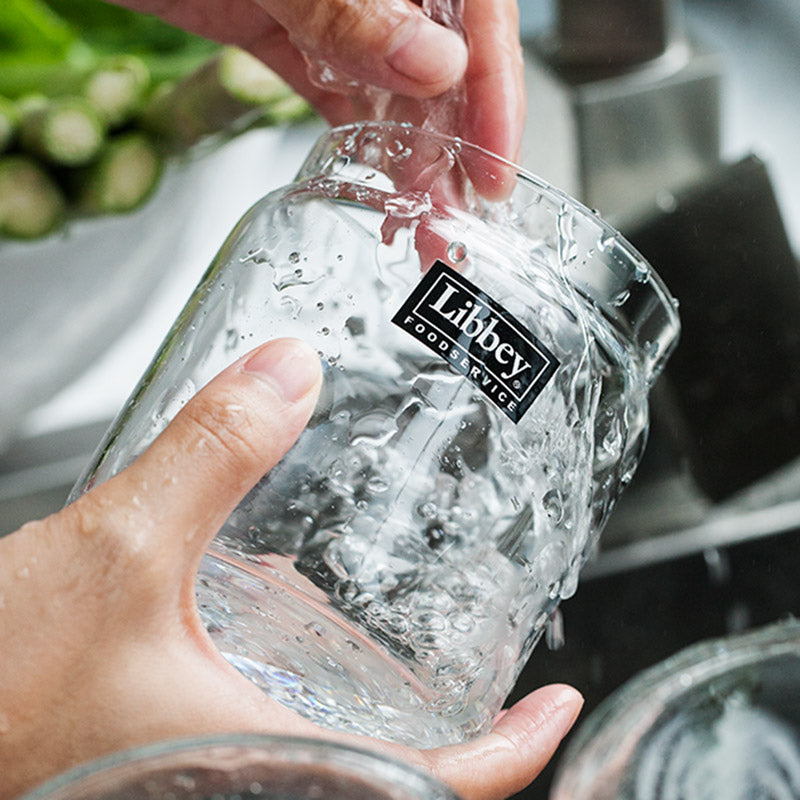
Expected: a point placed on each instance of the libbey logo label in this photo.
(478, 338)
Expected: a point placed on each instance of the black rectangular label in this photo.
(478, 338)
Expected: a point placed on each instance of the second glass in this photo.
(486, 365)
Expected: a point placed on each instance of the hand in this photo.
(390, 44)
(101, 644)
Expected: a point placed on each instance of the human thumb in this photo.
(392, 45)
(221, 443)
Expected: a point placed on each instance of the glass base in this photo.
(297, 648)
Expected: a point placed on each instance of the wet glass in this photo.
(243, 767)
(487, 364)
(720, 719)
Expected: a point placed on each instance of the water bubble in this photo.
(456, 252)
(427, 510)
(294, 257)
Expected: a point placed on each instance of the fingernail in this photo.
(568, 707)
(427, 53)
(290, 366)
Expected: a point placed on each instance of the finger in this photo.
(519, 746)
(390, 44)
(184, 486)
(495, 110)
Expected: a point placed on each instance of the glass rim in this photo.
(287, 749)
(654, 314)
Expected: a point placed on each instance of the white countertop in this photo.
(236, 175)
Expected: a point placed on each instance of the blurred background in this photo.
(678, 121)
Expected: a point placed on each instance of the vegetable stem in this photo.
(66, 131)
(122, 178)
(31, 202)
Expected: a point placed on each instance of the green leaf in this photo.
(31, 26)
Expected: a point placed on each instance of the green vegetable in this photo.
(292, 108)
(117, 88)
(31, 27)
(225, 95)
(65, 131)
(9, 122)
(123, 177)
(31, 203)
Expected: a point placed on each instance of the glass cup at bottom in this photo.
(486, 370)
(243, 767)
(718, 720)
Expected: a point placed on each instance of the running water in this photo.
(441, 114)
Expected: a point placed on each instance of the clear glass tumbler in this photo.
(243, 767)
(487, 364)
(720, 719)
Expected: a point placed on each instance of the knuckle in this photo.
(114, 533)
(225, 430)
(342, 26)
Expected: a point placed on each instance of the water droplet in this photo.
(294, 257)
(377, 485)
(394, 148)
(320, 305)
(608, 239)
(324, 331)
(554, 633)
(719, 568)
(407, 205)
(553, 504)
(231, 339)
(666, 201)
(315, 628)
(621, 298)
(339, 257)
(456, 252)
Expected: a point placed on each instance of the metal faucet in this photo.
(623, 106)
